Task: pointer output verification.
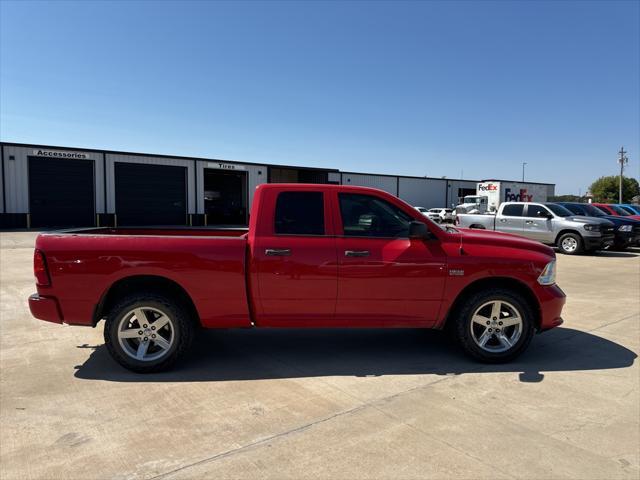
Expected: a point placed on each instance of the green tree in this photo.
(605, 189)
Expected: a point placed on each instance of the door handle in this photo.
(529, 222)
(503, 220)
(278, 252)
(356, 253)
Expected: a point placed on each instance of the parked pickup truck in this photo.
(547, 223)
(313, 256)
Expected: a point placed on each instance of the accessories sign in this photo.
(38, 152)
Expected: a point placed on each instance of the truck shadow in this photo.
(234, 355)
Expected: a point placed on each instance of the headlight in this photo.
(548, 275)
(591, 227)
(625, 228)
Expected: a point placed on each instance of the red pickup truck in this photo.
(313, 256)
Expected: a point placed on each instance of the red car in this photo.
(313, 256)
(615, 210)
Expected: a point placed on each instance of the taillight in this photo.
(40, 269)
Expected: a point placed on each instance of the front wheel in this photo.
(570, 244)
(494, 326)
(147, 332)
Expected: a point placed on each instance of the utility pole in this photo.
(623, 160)
(523, 164)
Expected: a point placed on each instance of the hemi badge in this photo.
(456, 272)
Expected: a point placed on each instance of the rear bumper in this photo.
(45, 308)
(551, 299)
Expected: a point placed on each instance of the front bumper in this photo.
(551, 299)
(600, 242)
(45, 308)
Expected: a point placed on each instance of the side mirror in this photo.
(419, 230)
(545, 215)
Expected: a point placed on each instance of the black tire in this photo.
(181, 324)
(570, 244)
(463, 325)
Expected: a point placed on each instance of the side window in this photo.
(368, 216)
(535, 210)
(513, 210)
(299, 213)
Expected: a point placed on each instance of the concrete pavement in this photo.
(327, 403)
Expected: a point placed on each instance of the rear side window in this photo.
(300, 213)
(513, 210)
(368, 216)
(534, 210)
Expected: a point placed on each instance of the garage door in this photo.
(61, 192)
(150, 194)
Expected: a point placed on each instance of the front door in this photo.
(384, 277)
(295, 263)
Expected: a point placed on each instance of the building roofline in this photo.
(157, 155)
(515, 181)
(274, 165)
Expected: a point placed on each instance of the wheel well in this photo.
(146, 283)
(504, 283)
(562, 232)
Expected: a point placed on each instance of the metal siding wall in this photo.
(422, 192)
(455, 185)
(111, 187)
(386, 183)
(256, 174)
(17, 177)
(334, 177)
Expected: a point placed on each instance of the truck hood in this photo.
(499, 239)
(584, 219)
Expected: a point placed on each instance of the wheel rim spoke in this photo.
(504, 340)
(130, 333)
(142, 350)
(161, 342)
(495, 310)
(141, 316)
(161, 322)
(484, 338)
(510, 321)
(480, 320)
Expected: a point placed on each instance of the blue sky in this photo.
(416, 88)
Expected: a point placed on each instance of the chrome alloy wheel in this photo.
(146, 334)
(569, 244)
(496, 326)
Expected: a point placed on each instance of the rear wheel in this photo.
(570, 244)
(494, 326)
(147, 332)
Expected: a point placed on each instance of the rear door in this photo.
(511, 219)
(385, 278)
(537, 227)
(295, 259)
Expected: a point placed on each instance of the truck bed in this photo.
(160, 231)
(209, 264)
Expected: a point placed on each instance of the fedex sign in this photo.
(521, 196)
(487, 187)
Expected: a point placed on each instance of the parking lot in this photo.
(328, 403)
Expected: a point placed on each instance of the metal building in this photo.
(57, 187)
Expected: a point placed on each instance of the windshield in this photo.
(558, 210)
(628, 209)
(593, 211)
(583, 209)
(620, 211)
